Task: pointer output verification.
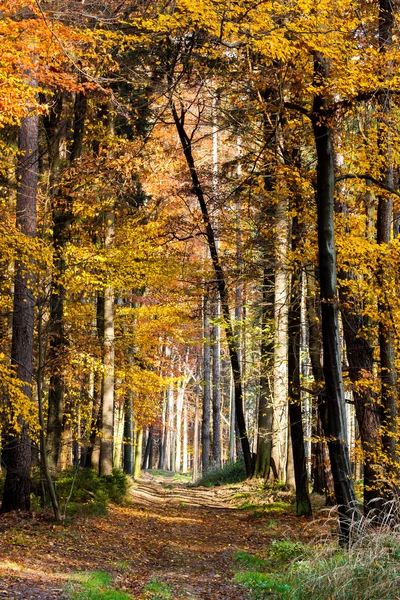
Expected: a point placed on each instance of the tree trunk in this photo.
(336, 422)
(221, 285)
(196, 440)
(265, 406)
(206, 417)
(161, 458)
(281, 301)
(384, 222)
(321, 452)
(185, 440)
(16, 452)
(128, 436)
(62, 217)
(303, 504)
(107, 418)
(178, 441)
(216, 385)
(138, 453)
(146, 464)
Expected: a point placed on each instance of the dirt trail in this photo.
(185, 537)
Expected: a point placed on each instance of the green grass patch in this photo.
(157, 590)
(231, 473)
(94, 585)
(91, 492)
(260, 586)
(250, 561)
(278, 507)
(369, 570)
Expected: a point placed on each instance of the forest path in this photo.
(184, 537)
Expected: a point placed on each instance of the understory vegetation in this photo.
(94, 585)
(368, 570)
(234, 472)
(83, 491)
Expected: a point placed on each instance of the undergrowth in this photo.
(234, 472)
(90, 492)
(94, 585)
(368, 570)
(157, 590)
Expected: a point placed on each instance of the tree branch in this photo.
(368, 177)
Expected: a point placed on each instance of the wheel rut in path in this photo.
(184, 537)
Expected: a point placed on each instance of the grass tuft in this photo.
(157, 590)
(94, 585)
(231, 473)
(91, 492)
(368, 570)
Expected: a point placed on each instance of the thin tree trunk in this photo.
(107, 421)
(206, 417)
(216, 386)
(196, 440)
(185, 440)
(384, 222)
(16, 452)
(315, 350)
(161, 458)
(265, 406)
(128, 436)
(303, 504)
(336, 422)
(221, 285)
(138, 453)
(62, 217)
(170, 426)
(178, 441)
(280, 381)
(42, 436)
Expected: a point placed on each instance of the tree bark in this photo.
(321, 453)
(220, 282)
(384, 222)
(336, 421)
(265, 406)
(16, 452)
(216, 385)
(128, 436)
(206, 416)
(138, 453)
(62, 217)
(107, 419)
(303, 504)
(280, 380)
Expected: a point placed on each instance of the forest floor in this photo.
(186, 538)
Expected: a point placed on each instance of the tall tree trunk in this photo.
(336, 421)
(161, 458)
(107, 418)
(170, 427)
(303, 504)
(16, 452)
(280, 381)
(178, 441)
(321, 452)
(220, 282)
(128, 436)
(138, 453)
(196, 439)
(146, 463)
(206, 416)
(265, 406)
(384, 222)
(216, 385)
(62, 217)
(185, 440)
